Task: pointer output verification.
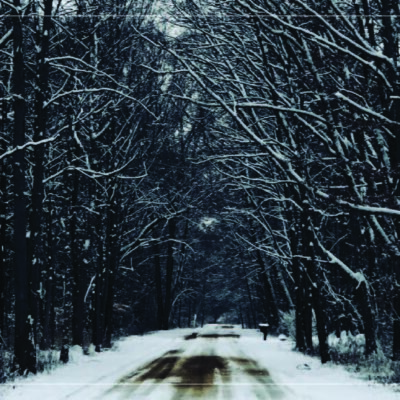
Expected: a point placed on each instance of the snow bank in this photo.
(87, 377)
(305, 378)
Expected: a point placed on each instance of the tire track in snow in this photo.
(210, 366)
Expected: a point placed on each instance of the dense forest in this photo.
(169, 164)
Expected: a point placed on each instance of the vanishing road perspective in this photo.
(177, 174)
(216, 362)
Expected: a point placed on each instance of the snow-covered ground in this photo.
(214, 363)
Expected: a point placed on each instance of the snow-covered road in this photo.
(217, 362)
(211, 364)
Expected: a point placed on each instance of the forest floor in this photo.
(215, 362)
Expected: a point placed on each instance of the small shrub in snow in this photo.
(47, 360)
(379, 367)
(395, 378)
(6, 359)
(288, 324)
(347, 349)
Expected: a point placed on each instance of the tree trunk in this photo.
(112, 257)
(321, 324)
(270, 302)
(313, 285)
(390, 49)
(241, 316)
(189, 321)
(78, 289)
(48, 321)
(368, 316)
(169, 272)
(65, 332)
(97, 328)
(396, 330)
(308, 315)
(251, 312)
(159, 293)
(36, 255)
(299, 283)
(299, 314)
(3, 212)
(24, 348)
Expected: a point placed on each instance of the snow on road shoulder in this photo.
(87, 377)
(305, 378)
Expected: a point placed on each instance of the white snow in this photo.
(88, 377)
(291, 374)
(207, 222)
